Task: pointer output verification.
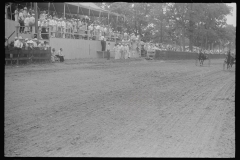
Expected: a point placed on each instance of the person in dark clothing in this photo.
(103, 43)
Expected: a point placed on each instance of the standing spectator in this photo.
(75, 26)
(108, 50)
(25, 12)
(59, 28)
(90, 30)
(116, 51)
(40, 24)
(26, 23)
(50, 25)
(67, 29)
(16, 14)
(32, 23)
(63, 28)
(30, 12)
(21, 21)
(54, 27)
(102, 43)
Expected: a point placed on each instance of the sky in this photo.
(231, 19)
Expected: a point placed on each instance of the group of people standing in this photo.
(122, 51)
(26, 20)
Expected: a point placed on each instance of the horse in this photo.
(229, 60)
(202, 57)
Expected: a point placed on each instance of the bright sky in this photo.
(231, 19)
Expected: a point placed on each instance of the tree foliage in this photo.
(202, 24)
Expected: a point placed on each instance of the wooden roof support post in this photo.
(48, 8)
(108, 18)
(36, 19)
(64, 10)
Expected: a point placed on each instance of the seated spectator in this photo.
(53, 54)
(19, 43)
(25, 44)
(60, 55)
(46, 45)
(34, 43)
(41, 45)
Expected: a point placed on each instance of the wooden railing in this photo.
(15, 56)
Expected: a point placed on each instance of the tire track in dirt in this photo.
(140, 111)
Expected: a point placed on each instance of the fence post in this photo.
(17, 31)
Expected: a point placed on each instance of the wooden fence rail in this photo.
(17, 56)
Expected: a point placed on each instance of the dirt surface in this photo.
(120, 108)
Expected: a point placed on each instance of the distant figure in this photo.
(103, 43)
(60, 55)
(108, 50)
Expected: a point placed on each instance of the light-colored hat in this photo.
(30, 41)
(26, 39)
(16, 38)
(35, 39)
(25, 7)
(20, 37)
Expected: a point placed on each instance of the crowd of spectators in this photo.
(62, 27)
(80, 28)
(28, 44)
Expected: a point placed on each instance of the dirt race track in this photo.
(120, 108)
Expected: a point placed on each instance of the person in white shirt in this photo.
(26, 23)
(54, 24)
(53, 54)
(32, 23)
(90, 28)
(50, 24)
(16, 14)
(59, 28)
(63, 28)
(15, 41)
(41, 45)
(19, 45)
(34, 42)
(60, 55)
(25, 12)
(108, 50)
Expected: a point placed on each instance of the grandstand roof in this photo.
(88, 5)
(91, 6)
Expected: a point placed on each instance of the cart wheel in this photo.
(196, 62)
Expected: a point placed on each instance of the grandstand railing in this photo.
(69, 34)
